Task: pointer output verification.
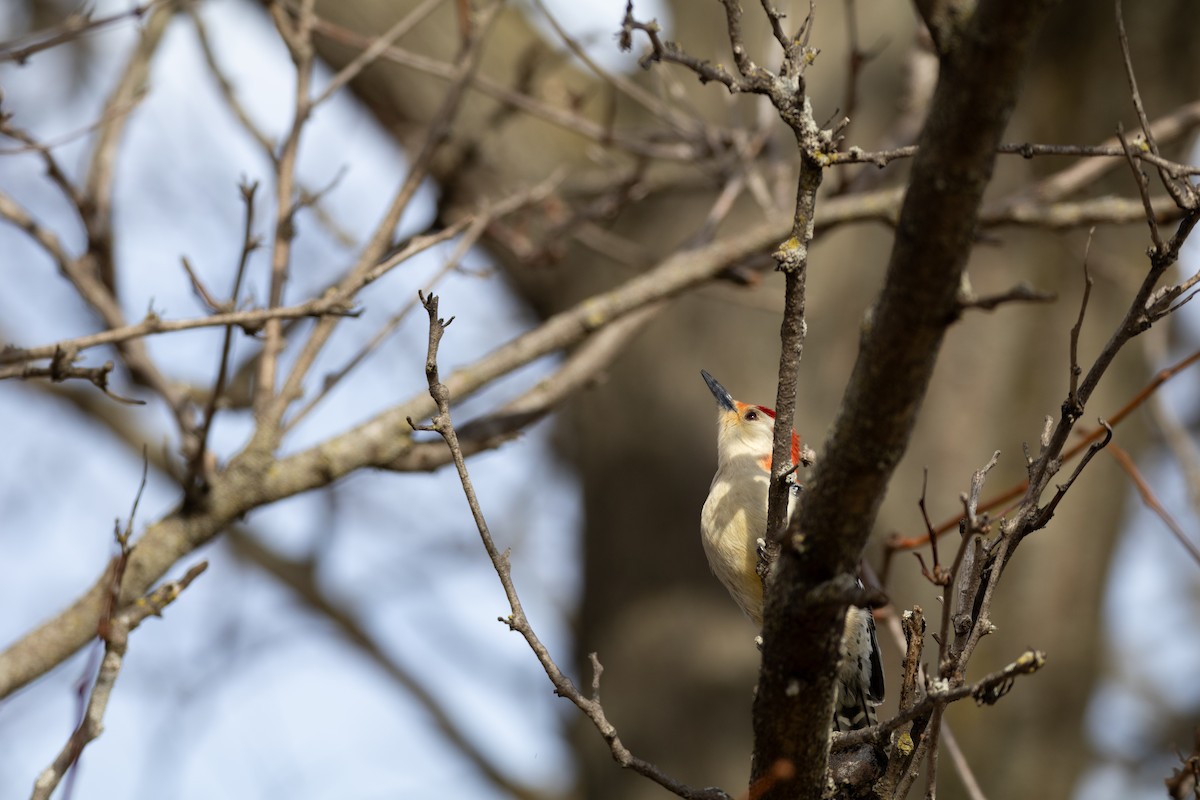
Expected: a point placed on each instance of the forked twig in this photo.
(114, 627)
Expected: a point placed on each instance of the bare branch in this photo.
(98, 185)
(1021, 293)
(62, 368)
(471, 233)
(1143, 189)
(378, 442)
(75, 25)
(579, 370)
(1062, 184)
(367, 262)
(250, 321)
(670, 52)
(1152, 502)
(199, 472)
(54, 170)
(45, 238)
(985, 691)
(116, 644)
(376, 49)
(298, 37)
(881, 158)
(1172, 431)
(959, 759)
(517, 621)
(1075, 370)
(1183, 194)
(900, 543)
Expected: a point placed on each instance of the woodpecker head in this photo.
(744, 431)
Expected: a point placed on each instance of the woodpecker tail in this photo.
(860, 673)
(853, 710)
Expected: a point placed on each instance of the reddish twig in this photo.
(896, 542)
(1148, 497)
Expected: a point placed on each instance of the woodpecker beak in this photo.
(724, 399)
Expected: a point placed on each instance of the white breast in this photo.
(733, 519)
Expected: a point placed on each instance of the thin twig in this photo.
(114, 627)
(93, 274)
(75, 26)
(1021, 293)
(308, 198)
(61, 369)
(226, 88)
(986, 690)
(950, 663)
(367, 263)
(1074, 178)
(579, 370)
(1143, 185)
(54, 170)
(936, 576)
(197, 470)
(1086, 438)
(516, 620)
(473, 228)
(1152, 502)
(959, 759)
(663, 111)
(881, 158)
(250, 321)
(297, 35)
(376, 49)
(1172, 431)
(1075, 370)
(1184, 195)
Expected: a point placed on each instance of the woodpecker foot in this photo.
(767, 553)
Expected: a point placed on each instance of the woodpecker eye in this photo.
(750, 415)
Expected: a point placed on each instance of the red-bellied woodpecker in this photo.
(732, 525)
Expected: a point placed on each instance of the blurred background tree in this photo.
(645, 165)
